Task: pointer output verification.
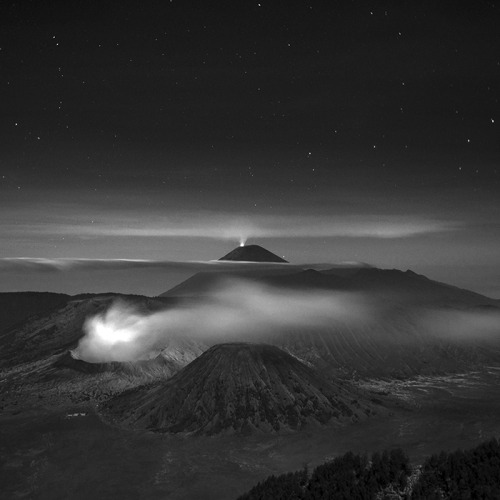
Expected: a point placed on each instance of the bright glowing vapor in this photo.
(235, 310)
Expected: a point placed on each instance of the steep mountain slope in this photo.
(398, 286)
(197, 285)
(252, 253)
(413, 287)
(204, 283)
(48, 338)
(396, 344)
(308, 279)
(37, 361)
(241, 388)
(16, 307)
(53, 323)
(410, 328)
(414, 327)
(48, 334)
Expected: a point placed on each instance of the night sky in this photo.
(324, 131)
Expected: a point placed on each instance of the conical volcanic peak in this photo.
(252, 253)
(240, 388)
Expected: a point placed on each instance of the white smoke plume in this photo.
(236, 310)
(242, 310)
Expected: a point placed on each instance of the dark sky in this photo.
(325, 131)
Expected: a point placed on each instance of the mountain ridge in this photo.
(252, 253)
(242, 388)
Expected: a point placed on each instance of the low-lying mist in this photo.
(247, 311)
(464, 325)
(235, 310)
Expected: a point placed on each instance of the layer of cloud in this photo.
(226, 228)
(66, 264)
(243, 310)
(21, 264)
(233, 227)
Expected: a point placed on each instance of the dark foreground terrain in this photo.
(174, 424)
(67, 451)
(388, 475)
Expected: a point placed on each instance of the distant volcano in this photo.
(240, 388)
(252, 253)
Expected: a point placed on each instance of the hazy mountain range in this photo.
(342, 322)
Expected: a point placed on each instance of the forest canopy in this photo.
(469, 474)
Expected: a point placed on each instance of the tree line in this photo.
(457, 475)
